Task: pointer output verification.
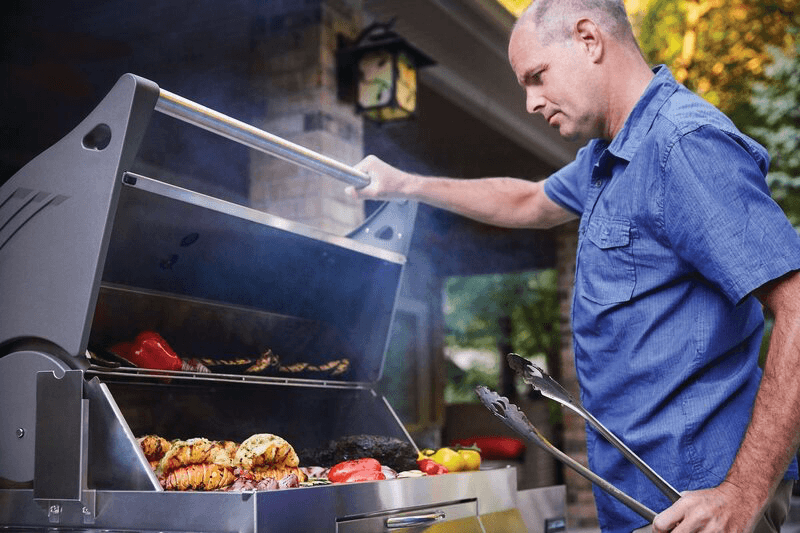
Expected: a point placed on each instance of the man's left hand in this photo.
(726, 508)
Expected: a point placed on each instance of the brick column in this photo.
(295, 68)
(581, 511)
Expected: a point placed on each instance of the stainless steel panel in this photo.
(306, 415)
(462, 517)
(494, 490)
(302, 509)
(187, 197)
(207, 512)
(116, 460)
(542, 507)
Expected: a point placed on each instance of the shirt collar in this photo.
(641, 118)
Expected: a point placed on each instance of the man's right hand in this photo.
(386, 181)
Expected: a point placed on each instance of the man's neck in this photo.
(625, 91)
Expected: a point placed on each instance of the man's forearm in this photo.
(771, 439)
(773, 435)
(507, 202)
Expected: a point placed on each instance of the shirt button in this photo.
(596, 183)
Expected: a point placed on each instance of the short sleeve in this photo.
(719, 216)
(567, 187)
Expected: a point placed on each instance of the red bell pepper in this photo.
(495, 447)
(366, 469)
(431, 467)
(363, 475)
(149, 350)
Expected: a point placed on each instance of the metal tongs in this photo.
(514, 418)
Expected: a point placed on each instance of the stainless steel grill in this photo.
(91, 253)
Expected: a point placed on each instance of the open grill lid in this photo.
(91, 254)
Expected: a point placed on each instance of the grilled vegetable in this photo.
(431, 467)
(362, 475)
(148, 350)
(366, 469)
(472, 459)
(450, 459)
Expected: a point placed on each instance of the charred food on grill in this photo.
(399, 455)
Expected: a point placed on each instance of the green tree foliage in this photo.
(776, 124)
(500, 312)
(718, 48)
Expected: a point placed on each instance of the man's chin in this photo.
(571, 136)
(564, 131)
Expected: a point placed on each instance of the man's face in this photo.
(557, 82)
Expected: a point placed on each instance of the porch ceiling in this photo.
(468, 40)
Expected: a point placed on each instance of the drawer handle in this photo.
(414, 520)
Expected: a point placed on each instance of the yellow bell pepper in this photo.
(425, 453)
(472, 459)
(450, 459)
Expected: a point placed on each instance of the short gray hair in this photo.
(554, 19)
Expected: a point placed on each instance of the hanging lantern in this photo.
(379, 72)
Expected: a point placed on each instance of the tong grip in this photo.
(550, 388)
(514, 418)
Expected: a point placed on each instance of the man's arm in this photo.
(507, 202)
(772, 437)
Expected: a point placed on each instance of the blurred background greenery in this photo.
(489, 316)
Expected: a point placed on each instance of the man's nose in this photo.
(534, 101)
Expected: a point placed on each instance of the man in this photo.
(678, 242)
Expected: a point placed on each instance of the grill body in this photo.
(91, 254)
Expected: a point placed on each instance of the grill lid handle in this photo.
(215, 122)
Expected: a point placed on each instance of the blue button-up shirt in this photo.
(677, 229)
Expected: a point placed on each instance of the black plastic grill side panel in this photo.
(56, 214)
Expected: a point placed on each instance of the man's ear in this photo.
(589, 38)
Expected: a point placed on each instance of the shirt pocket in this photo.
(607, 261)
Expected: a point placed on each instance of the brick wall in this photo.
(581, 511)
(294, 63)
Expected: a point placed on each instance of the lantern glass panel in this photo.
(406, 83)
(375, 79)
